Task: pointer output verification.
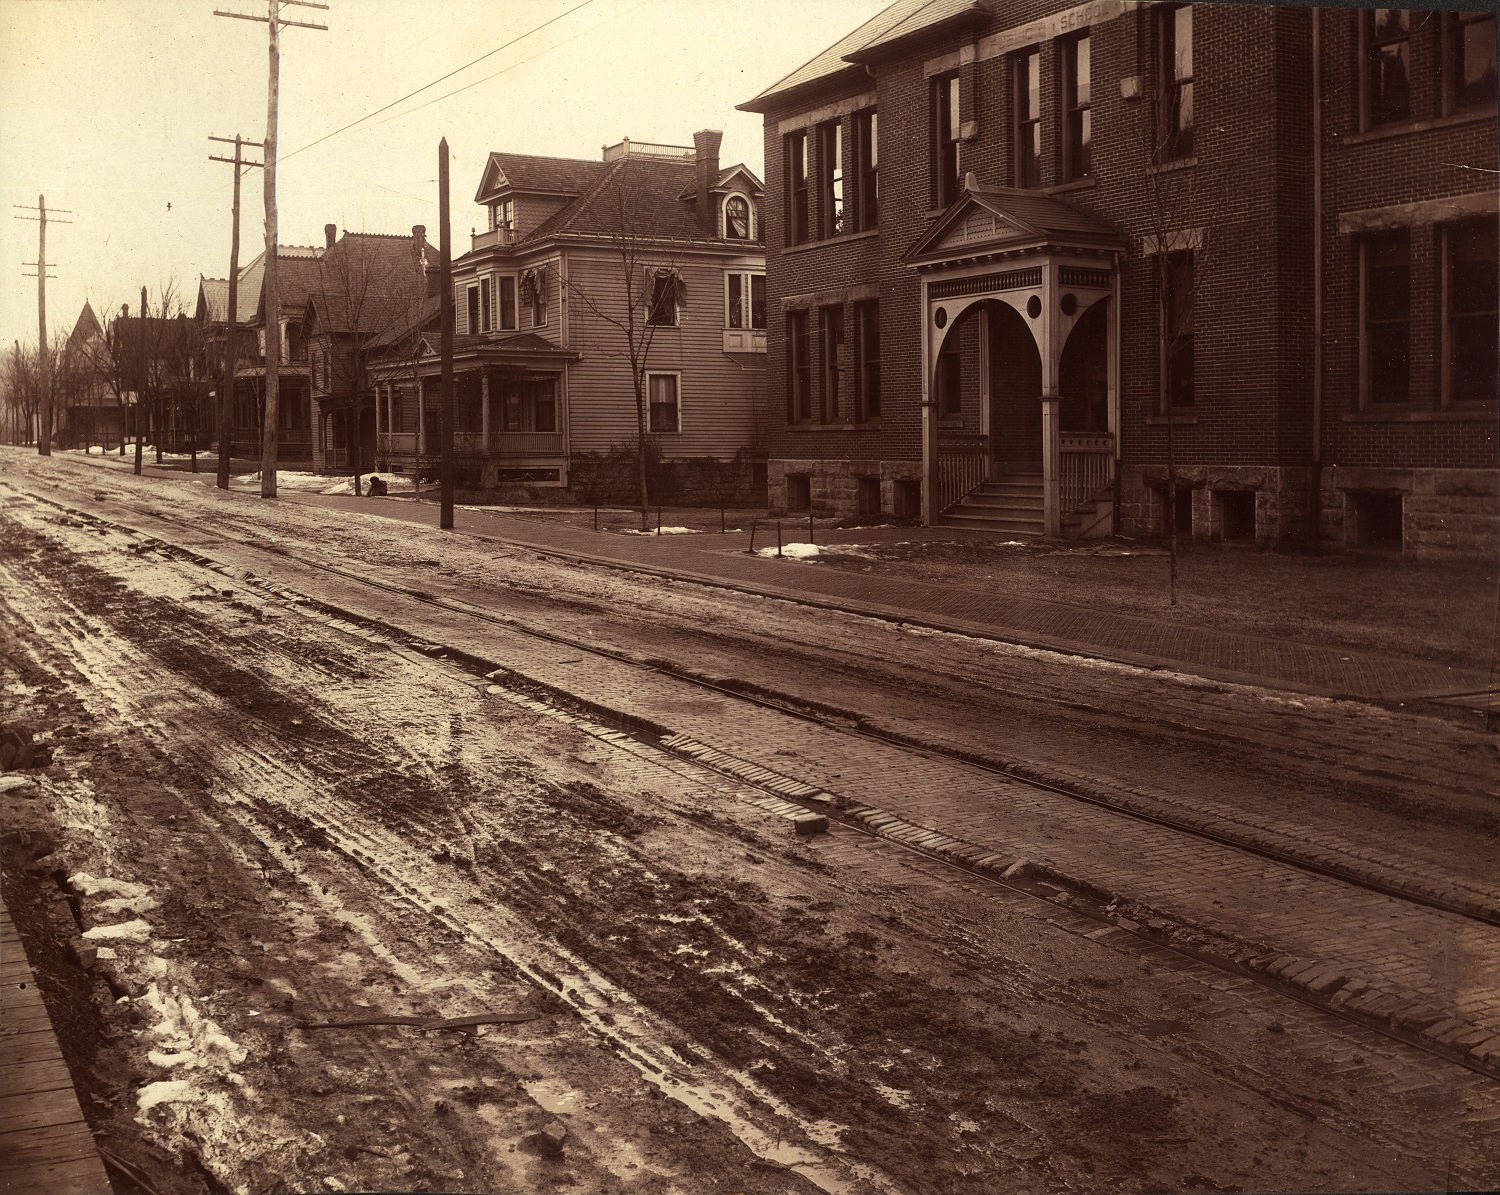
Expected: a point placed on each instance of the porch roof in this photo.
(986, 221)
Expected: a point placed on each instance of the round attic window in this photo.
(940, 317)
(1034, 306)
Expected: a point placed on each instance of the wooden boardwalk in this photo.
(45, 1145)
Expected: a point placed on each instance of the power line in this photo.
(440, 79)
(497, 74)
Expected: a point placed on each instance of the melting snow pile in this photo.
(662, 531)
(795, 551)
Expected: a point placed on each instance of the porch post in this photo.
(1051, 465)
(484, 406)
(929, 421)
(984, 389)
(421, 418)
(1051, 425)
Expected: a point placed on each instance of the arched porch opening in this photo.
(1083, 374)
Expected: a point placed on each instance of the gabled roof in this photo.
(886, 31)
(368, 282)
(213, 299)
(732, 178)
(296, 276)
(423, 313)
(85, 328)
(643, 192)
(529, 174)
(1002, 219)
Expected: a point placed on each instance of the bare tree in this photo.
(1166, 136)
(23, 381)
(646, 294)
(367, 288)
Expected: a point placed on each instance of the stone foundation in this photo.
(1276, 517)
(1443, 512)
(833, 488)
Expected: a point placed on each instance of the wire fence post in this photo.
(750, 551)
(778, 539)
(809, 525)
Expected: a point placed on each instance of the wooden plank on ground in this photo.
(48, 1144)
(38, 1045)
(22, 1019)
(36, 1109)
(50, 1075)
(83, 1176)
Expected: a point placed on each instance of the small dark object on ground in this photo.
(17, 750)
(548, 1142)
(377, 487)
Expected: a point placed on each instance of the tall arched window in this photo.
(737, 218)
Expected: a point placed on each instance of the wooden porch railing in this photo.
(963, 463)
(1087, 466)
(495, 444)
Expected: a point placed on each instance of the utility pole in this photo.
(445, 307)
(43, 365)
(274, 21)
(231, 341)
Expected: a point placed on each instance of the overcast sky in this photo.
(106, 107)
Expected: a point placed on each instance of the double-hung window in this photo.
(866, 360)
(1175, 39)
(831, 320)
(947, 129)
(507, 285)
(472, 328)
(797, 212)
(867, 170)
(662, 393)
(1179, 298)
(798, 368)
(737, 218)
(1468, 61)
(745, 301)
(1385, 308)
(1028, 75)
(485, 302)
(503, 214)
(1386, 34)
(1078, 118)
(830, 179)
(1473, 313)
(661, 311)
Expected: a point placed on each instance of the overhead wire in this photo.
(457, 70)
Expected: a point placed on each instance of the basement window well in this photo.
(1377, 521)
(1236, 516)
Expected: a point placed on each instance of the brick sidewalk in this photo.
(1051, 625)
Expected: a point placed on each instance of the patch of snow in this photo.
(166, 1091)
(662, 531)
(9, 782)
(794, 551)
(94, 886)
(125, 931)
(129, 904)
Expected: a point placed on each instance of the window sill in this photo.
(950, 421)
(842, 239)
(1176, 418)
(1479, 413)
(1174, 164)
(1386, 131)
(832, 427)
(1077, 184)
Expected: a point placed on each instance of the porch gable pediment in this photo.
(994, 220)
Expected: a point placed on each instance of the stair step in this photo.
(959, 518)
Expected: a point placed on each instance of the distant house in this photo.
(88, 411)
(297, 276)
(367, 285)
(544, 379)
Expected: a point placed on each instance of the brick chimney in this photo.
(330, 234)
(706, 160)
(419, 243)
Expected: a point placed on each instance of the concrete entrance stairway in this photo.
(1011, 503)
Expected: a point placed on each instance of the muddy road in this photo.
(283, 821)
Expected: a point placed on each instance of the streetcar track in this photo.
(565, 705)
(847, 723)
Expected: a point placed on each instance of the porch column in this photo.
(484, 407)
(1051, 465)
(929, 420)
(984, 389)
(421, 417)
